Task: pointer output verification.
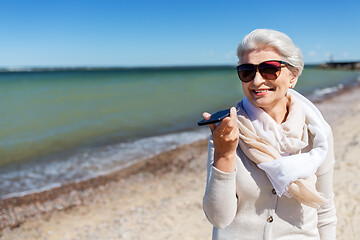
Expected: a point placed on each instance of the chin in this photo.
(261, 101)
(262, 104)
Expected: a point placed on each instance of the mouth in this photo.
(258, 91)
(261, 92)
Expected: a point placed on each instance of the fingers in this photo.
(207, 116)
(226, 126)
(223, 126)
(233, 114)
(226, 135)
(230, 122)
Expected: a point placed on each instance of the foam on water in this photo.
(321, 93)
(89, 163)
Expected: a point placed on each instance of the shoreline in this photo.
(17, 210)
(171, 167)
(91, 162)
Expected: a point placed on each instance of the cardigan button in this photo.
(270, 219)
(273, 191)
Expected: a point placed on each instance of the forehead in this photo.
(260, 55)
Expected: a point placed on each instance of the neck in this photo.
(279, 112)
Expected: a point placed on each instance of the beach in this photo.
(161, 197)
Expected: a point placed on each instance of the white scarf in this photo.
(288, 138)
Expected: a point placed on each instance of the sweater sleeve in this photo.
(220, 201)
(327, 214)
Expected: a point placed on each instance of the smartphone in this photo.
(216, 117)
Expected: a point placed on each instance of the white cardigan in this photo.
(243, 204)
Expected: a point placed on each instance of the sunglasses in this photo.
(269, 70)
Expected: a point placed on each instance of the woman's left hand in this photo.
(225, 138)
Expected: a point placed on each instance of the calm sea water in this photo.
(63, 126)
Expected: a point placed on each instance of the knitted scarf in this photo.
(276, 149)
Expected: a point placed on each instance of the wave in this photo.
(323, 93)
(27, 178)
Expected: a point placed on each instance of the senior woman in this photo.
(270, 163)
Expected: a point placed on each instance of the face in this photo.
(270, 95)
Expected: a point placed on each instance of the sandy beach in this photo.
(161, 198)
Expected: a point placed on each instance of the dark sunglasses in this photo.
(269, 70)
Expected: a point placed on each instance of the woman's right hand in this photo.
(226, 138)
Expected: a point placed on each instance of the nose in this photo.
(258, 79)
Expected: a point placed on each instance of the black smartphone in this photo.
(216, 117)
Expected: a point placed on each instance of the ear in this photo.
(293, 80)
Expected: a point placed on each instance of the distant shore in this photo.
(346, 65)
(109, 68)
(355, 65)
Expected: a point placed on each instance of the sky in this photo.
(52, 33)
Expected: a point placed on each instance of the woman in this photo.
(270, 163)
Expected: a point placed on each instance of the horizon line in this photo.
(109, 68)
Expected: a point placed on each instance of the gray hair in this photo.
(279, 41)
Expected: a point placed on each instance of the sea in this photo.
(59, 126)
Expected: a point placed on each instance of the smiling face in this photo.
(270, 95)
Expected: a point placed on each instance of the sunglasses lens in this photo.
(270, 70)
(246, 72)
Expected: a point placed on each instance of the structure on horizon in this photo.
(342, 65)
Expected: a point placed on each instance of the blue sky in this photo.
(166, 33)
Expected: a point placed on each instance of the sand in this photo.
(161, 198)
